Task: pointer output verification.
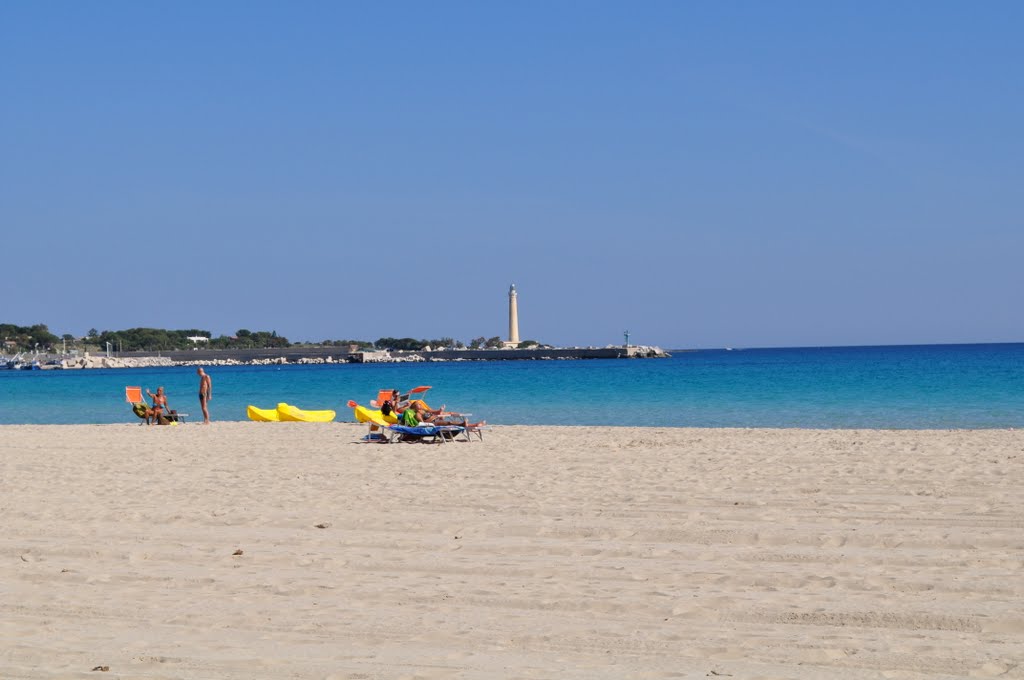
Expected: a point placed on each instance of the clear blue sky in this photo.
(702, 174)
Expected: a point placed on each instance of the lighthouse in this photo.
(513, 317)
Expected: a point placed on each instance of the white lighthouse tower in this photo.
(513, 317)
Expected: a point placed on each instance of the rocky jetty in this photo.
(278, 361)
(387, 358)
(647, 352)
(320, 356)
(113, 362)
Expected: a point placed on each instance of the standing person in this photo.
(205, 393)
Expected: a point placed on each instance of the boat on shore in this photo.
(294, 414)
(262, 415)
(288, 413)
(21, 363)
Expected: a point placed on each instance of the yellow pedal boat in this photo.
(289, 413)
(365, 415)
(296, 414)
(262, 415)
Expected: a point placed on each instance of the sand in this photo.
(287, 550)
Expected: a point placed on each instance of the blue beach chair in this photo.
(437, 434)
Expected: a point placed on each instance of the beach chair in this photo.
(457, 420)
(415, 394)
(382, 396)
(372, 416)
(418, 394)
(133, 395)
(403, 401)
(471, 430)
(384, 432)
(435, 434)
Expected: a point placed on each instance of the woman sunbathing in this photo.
(426, 416)
(156, 414)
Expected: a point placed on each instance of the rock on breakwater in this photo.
(114, 362)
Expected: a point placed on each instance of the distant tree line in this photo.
(27, 338)
(411, 344)
(39, 338)
(159, 339)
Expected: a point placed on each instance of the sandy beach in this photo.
(281, 550)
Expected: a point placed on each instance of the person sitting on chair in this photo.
(430, 414)
(156, 414)
(428, 417)
(424, 416)
(390, 405)
(416, 408)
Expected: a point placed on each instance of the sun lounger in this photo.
(383, 429)
(471, 430)
(133, 395)
(437, 434)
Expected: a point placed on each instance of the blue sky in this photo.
(702, 174)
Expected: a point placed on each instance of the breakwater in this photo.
(338, 355)
(305, 355)
(541, 354)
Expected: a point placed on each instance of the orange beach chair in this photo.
(404, 400)
(415, 394)
(133, 395)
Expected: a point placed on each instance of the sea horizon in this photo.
(733, 348)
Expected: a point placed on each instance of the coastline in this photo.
(336, 355)
(540, 552)
(891, 388)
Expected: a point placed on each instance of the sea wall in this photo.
(291, 355)
(87, 362)
(335, 355)
(537, 354)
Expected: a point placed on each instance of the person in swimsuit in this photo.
(205, 393)
(426, 416)
(156, 414)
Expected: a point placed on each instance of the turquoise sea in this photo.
(915, 387)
